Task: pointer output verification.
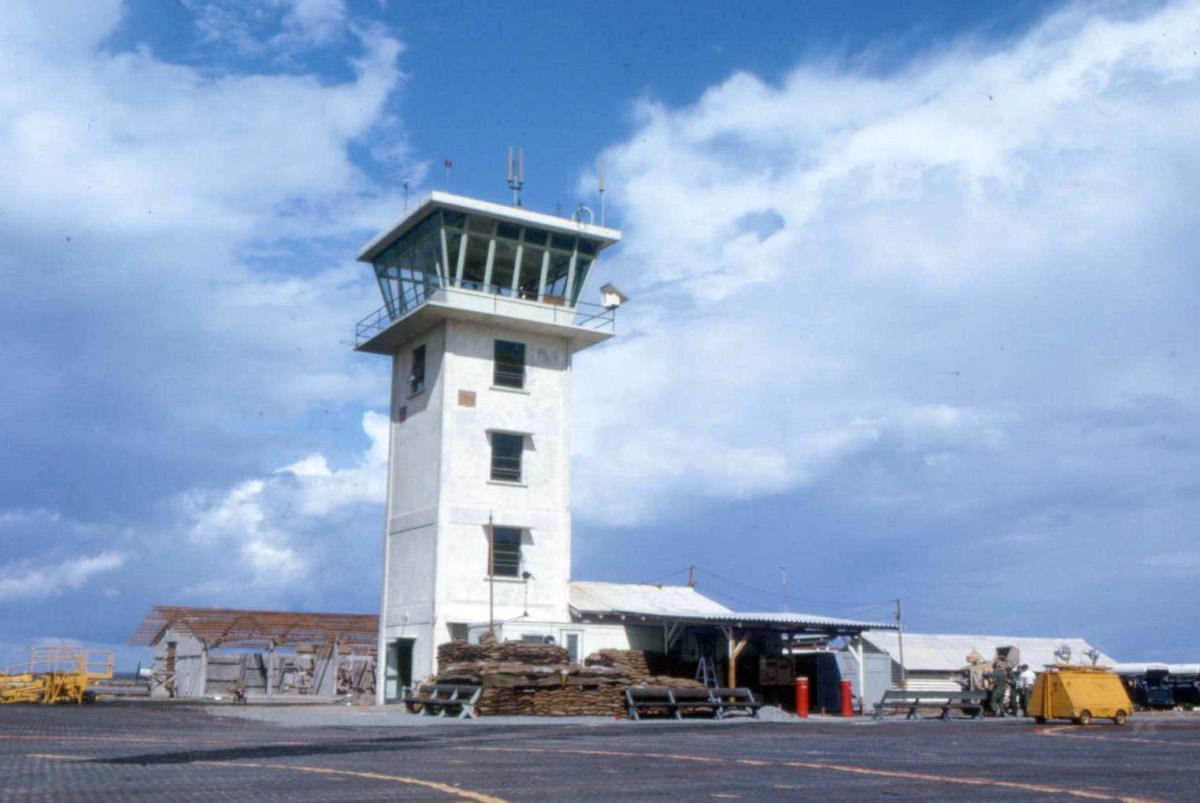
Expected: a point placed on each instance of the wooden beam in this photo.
(736, 646)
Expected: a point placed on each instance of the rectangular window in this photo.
(509, 367)
(506, 456)
(506, 551)
(416, 377)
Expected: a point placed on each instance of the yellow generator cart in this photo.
(1079, 693)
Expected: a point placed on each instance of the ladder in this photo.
(706, 672)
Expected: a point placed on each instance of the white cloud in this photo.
(277, 27)
(29, 580)
(923, 271)
(265, 524)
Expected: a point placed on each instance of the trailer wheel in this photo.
(1085, 717)
(1119, 718)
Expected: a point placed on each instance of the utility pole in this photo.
(491, 576)
(783, 577)
(900, 640)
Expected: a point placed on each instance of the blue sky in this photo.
(913, 309)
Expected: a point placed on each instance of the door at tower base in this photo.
(398, 670)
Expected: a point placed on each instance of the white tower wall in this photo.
(440, 493)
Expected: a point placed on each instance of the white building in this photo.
(936, 661)
(482, 317)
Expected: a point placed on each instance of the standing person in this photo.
(1026, 679)
(999, 687)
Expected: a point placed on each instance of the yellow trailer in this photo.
(1079, 693)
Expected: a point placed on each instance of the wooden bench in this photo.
(719, 702)
(438, 699)
(969, 702)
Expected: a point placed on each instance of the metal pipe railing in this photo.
(583, 314)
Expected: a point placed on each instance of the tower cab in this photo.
(482, 311)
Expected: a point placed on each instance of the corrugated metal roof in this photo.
(641, 598)
(687, 604)
(933, 652)
(793, 619)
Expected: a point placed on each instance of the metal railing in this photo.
(583, 315)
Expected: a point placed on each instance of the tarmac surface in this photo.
(131, 751)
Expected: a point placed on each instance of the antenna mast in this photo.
(516, 172)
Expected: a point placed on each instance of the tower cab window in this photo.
(506, 551)
(509, 365)
(416, 376)
(506, 456)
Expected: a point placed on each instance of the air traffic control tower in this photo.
(481, 317)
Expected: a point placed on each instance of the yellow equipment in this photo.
(1079, 693)
(55, 675)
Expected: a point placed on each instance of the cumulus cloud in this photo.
(28, 580)
(178, 296)
(278, 27)
(271, 529)
(916, 278)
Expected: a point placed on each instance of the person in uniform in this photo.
(999, 680)
(1026, 678)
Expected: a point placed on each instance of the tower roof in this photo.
(459, 203)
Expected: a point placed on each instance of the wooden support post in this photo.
(736, 646)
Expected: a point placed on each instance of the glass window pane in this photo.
(509, 230)
(453, 244)
(416, 375)
(563, 241)
(506, 551)
(476, 264)
(509, 364)
(587, 246)
(531, 273)
(455, 220)
(582, 266)
(503, 263)
(483, 225)
(506, 456)
(556, 279)
(535, 236)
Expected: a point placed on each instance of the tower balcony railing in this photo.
(582, 314)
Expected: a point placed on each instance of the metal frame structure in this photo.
(331, 639)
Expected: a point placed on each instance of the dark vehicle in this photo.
(1186, 690)
(1154, 690)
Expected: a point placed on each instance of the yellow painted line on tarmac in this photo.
(449, 789)
(455, 791)
(1069, 732)
(814, 765)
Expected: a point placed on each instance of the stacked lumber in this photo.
(537, 680)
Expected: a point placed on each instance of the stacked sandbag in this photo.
(520, 678)
(455, 652)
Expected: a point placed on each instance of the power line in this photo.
(843, 604)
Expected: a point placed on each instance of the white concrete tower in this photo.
(481, 317)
